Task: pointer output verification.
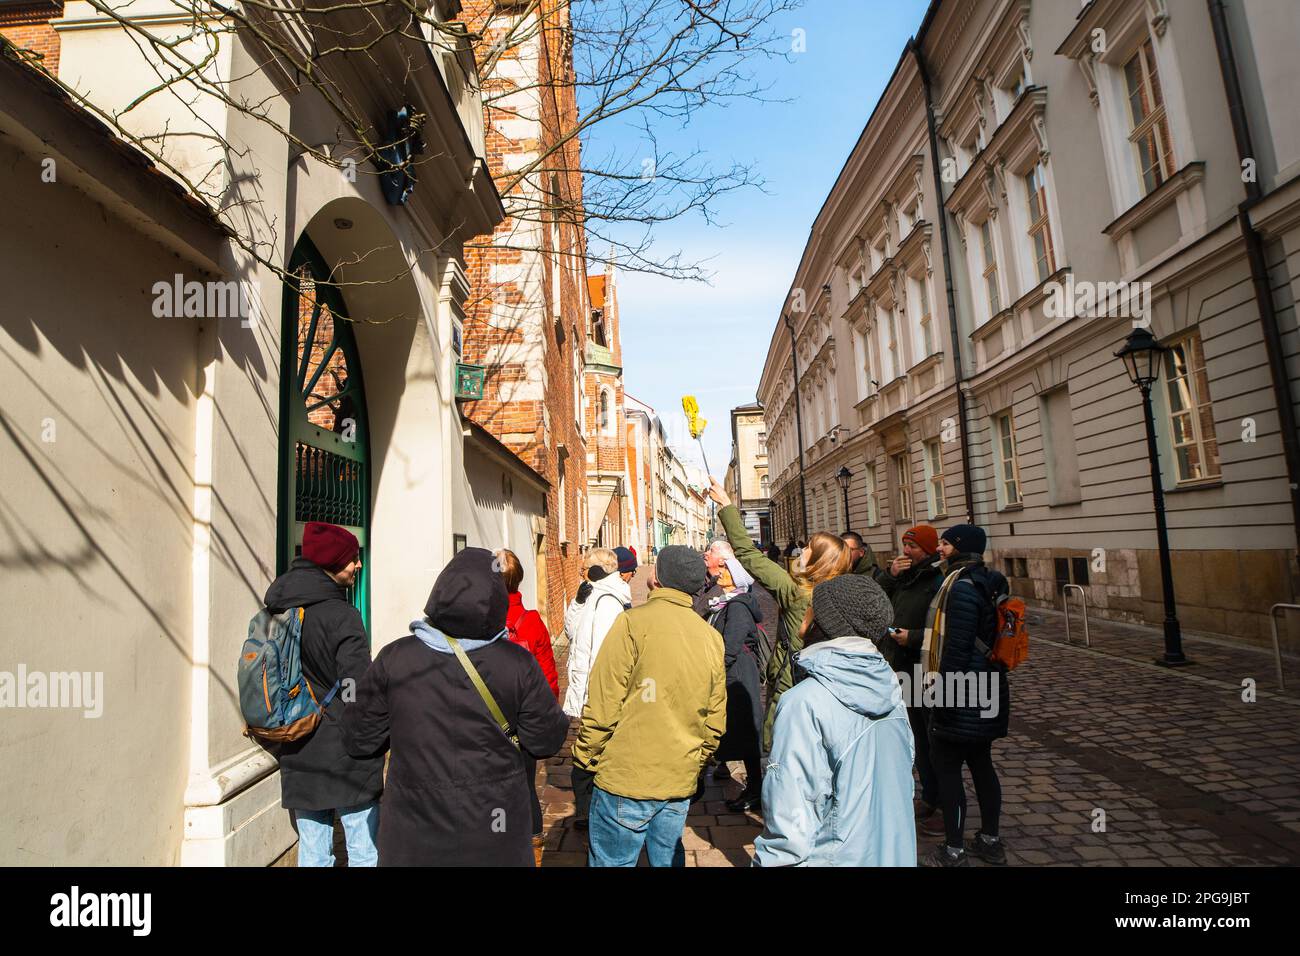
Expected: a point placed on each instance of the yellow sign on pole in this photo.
(693, 420)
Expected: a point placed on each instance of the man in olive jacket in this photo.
(656, 707)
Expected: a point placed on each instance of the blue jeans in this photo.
(316, 835)
(619, 827)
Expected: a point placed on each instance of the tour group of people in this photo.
(795, 668)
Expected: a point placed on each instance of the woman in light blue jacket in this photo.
(838, 789)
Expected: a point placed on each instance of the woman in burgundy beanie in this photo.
(329, 546)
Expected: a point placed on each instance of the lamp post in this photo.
(844, 476)
(1142, 356)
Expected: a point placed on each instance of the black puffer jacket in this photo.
(457, 792)
(970, 615)
(316, 772)
(910, 593)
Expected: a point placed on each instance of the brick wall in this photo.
(511, 326)
(27, 25)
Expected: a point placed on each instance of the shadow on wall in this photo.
(96, 417)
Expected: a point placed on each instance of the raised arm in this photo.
(767, 572)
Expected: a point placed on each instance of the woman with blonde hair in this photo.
(825, 557)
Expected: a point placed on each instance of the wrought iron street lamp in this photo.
(844, 476)
(1142, 356)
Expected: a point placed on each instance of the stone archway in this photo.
(390, 304)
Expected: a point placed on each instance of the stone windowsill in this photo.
(1153, 202)
(994, 324)
(1206, 485)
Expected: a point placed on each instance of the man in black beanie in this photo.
(656, 707)
(456, 792)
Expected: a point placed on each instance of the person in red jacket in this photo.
(528, 630)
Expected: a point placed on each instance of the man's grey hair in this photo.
(723, 545)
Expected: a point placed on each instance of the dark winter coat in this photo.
(457, 792)
(910, 593)
(738, 621)
(869, 566)
(970, 615)
(316, 772)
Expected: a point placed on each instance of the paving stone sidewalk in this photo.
(1111, 761)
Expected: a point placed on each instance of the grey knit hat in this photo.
(680, 568)
(852, 604)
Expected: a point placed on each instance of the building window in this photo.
(895, 359)
(934, 479)
(1040, 228)
(604, 412)
(763, 486)
(563, 501)
(863, 363)
(927, 326)
(1008, 467)
(1150, 135)
(1059, 451)
(903, 489)
(1191, 416)
(990, 268)
(873, 506)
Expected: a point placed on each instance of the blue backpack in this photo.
(271, 682)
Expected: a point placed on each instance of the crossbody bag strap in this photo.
(483, 691)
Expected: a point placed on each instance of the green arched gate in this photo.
(324, 433)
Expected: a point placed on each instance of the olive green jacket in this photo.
(790, 598)
(656, 701)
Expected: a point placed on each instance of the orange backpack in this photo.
(1011, 639)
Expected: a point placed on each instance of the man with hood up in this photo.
(317, 777)
(457, 792)
(838, 789)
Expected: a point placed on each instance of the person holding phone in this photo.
(911, 581)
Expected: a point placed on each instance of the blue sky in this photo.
(711, 340)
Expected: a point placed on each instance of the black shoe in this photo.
(991, 852)
(943, 856)
(746, 802)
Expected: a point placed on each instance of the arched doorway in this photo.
(324, 433)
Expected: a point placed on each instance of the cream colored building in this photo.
(1080, 151)
(160, 462)
(746, 481)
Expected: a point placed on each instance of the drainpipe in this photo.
(798, 425)
(1255, 254)
(954, 331)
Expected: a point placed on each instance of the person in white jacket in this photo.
(601, 598)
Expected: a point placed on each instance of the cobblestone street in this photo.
(1111, 761)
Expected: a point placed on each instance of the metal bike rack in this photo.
(1277, 647)
(1065, 606)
